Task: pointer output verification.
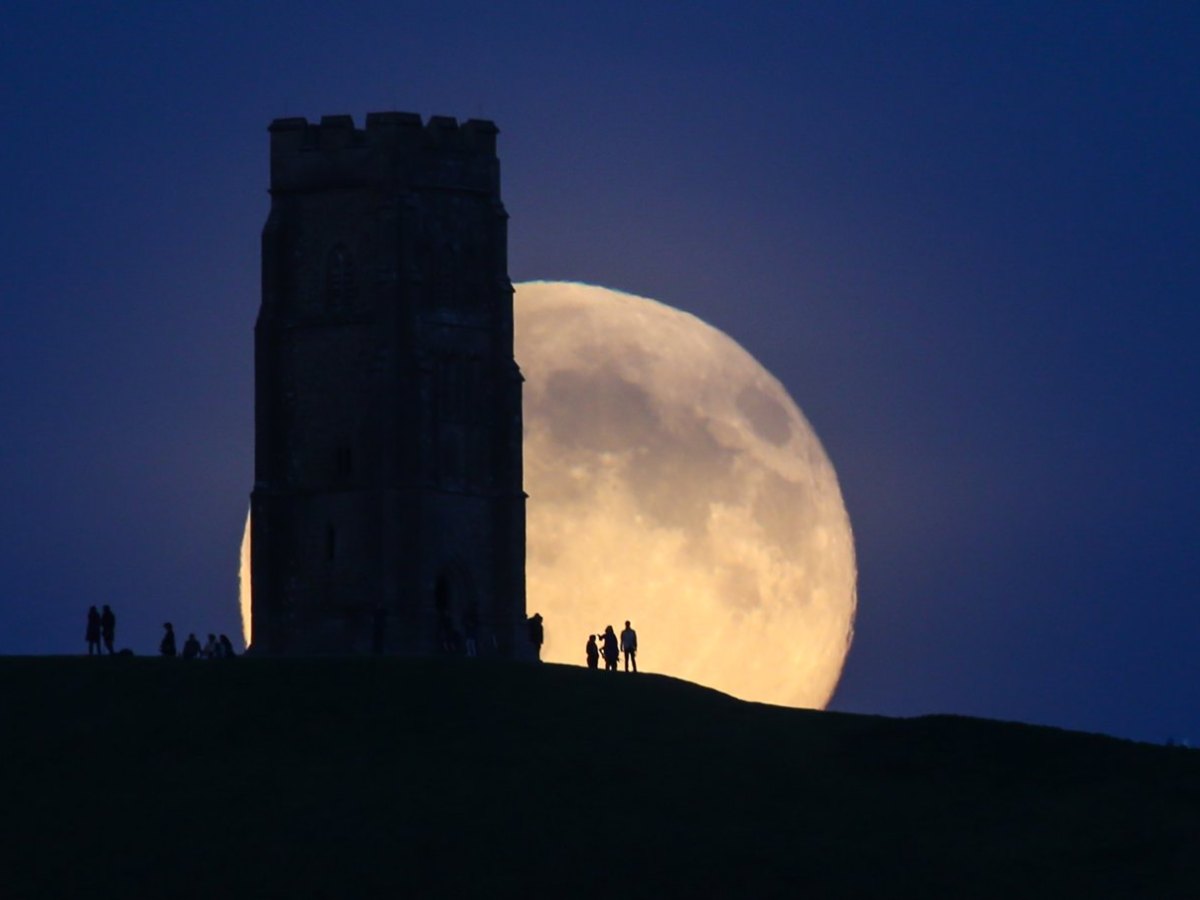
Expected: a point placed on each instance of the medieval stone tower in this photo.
(387, 513)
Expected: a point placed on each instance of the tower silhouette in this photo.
(387, 513)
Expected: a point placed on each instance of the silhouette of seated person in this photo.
(191, 647)
(593, 653)
(225, 646)
(166, 647)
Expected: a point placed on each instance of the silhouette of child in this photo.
(593, 652)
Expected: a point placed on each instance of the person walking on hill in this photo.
(629, 646)
(93, 631)
(610, 649)
(166, 647)
(108, 628)
(593, 652)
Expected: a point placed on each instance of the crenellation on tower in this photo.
(392, 147)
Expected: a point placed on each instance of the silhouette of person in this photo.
(211, 649)
(536, 634)
(93, 631)
(593, 652)
(166, 646)
(108, 628)
(225, 646)
(610, 649)
(471, 630)
(191, 647)
(629, 646)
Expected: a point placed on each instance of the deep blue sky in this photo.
(964, 236)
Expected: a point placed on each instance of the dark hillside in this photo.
(364, 778)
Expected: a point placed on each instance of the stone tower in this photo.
(387, 513)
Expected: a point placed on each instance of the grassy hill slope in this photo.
(363, 778)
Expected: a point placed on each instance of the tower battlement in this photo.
(394, 146)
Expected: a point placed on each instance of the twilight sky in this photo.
(965, 237)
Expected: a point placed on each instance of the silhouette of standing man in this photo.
(610, 649)
(629, 646)
(167, 646)
(536, 634)
(93, 632)
(108, 628)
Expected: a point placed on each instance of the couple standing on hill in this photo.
(628, 646)
(100, 625)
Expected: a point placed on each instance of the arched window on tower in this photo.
(340, 286)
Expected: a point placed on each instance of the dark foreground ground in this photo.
(372, 778)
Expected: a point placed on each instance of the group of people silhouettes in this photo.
(214, 648)
(607, 645)
(102, 628)
(611, 650)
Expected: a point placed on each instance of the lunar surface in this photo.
(673, 482)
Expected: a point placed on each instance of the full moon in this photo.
(673, 483)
